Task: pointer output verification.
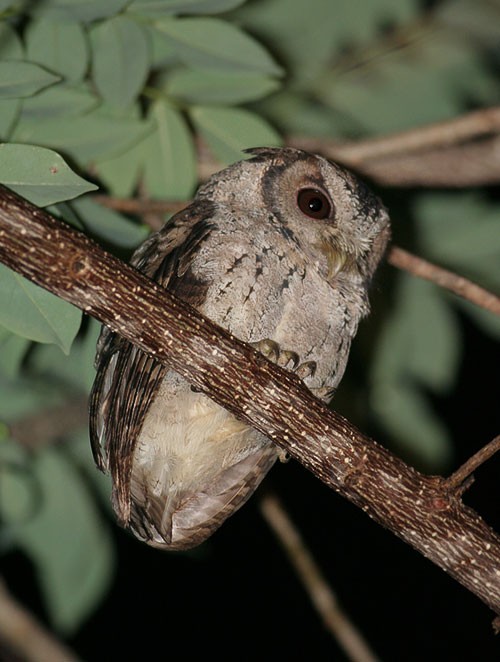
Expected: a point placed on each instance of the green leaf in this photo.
(391, 91)
(309, 36)
(11, 46)
(228, 131)
(78, 10)
(121, 58)
(74, 372)
(417, 431)
(432, 333)
(59, 101)
(33, 313)
(159, 8)
(479, 19)
(67, 541)
(461, 230)
(39, 174)
(121, 173)
(96, 135)
(22, 79)
(195, 86)
(17, 491)
(22, 395)
(421, 340)
(9, 112)
(163, 53)
(5, 4)
(169, 157)
(13, 349)
(210, 43)
(419, 347)
(79, 451)
(293, 113)
(60, 47)
(109, 225)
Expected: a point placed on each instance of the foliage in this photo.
(114, 95)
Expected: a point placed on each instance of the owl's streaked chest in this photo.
(259, 284)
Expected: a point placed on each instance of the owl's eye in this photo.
(314, 203)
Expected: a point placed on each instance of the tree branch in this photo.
(463, 151)
(48, 425)
(436, 135)
(465, 288)
(320, 593)
(420, 509)
(139, 206)
(460, 477)
(24, 636)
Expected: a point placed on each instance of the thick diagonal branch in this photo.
(421, 510)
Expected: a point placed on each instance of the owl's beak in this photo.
(336, 259)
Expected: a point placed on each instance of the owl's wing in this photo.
(177, 524)
(127, 378)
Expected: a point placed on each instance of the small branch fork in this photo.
(419, 509)
(462, 478)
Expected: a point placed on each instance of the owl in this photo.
(279, 249)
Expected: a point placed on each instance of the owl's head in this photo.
(323, 208)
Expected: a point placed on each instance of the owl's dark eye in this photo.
(314, 203)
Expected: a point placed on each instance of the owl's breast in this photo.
(260, 285)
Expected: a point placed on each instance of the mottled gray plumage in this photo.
(280, 250)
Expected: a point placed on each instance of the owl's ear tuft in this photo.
(281, 154)
(261, 150)
(261, 153)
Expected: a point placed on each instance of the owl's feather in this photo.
(249, 257)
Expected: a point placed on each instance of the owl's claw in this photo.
(306, 369)
(325, 393)
(272, 351)
(283, 357)
(286, 356)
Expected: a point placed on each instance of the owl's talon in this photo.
(325, 393)
(272, 351)
(306, 369)
(267, 347)
(285, 357)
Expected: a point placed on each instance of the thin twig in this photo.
(417, 266)
(140, 206)
(458, 477)
(469, 164)
(46, 426)
(24, 636)
(320, 593)
(428, 137)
